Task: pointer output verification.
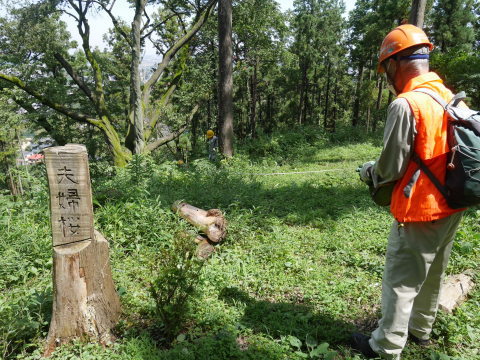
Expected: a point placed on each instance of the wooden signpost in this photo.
(85, 303)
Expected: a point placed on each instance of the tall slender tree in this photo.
(417, 13)
(225, 82)
(453, 24)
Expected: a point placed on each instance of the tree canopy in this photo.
(310, 65)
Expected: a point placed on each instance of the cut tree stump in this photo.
(210, 222)
(454, 291)
(85, 303)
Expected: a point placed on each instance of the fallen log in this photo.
(204, 248)
(454, 291)
(211, 222)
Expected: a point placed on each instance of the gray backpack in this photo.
(462, 182)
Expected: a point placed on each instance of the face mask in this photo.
(391, 88)
(389, 82)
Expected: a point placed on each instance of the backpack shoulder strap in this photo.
(454, 102)
(433, 95)
(457, 98)
(443, 190)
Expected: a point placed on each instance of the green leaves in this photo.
(295, 342)
(314, 351)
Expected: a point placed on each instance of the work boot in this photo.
(360, 343)
(418, 341)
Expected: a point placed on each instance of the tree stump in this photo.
(211, 222)
(85, 303)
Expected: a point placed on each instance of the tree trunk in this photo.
(85, 304)
(253, 101)
(356, 104)
(119, 153)
(333, 123)
(20, 185)
(136, 108)
(369, 105)
(225, 82)
(209, 112)
(379, 102)
(261, 111)
(306, 107)
(313, 92)
(319, 104)
(268, 118)
(327, 93)
(11, 183)
(194, 131)
(390, 97)
(303, 85)
(417, 13)
(213, 99)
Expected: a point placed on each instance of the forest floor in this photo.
(300, 269)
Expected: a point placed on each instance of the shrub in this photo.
(178, 271)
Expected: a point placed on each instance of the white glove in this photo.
(366, 172)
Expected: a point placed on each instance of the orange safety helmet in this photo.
(399, 39)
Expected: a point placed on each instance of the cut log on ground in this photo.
(454, 291)
(85, 303)
(204, 248)
(211, 222)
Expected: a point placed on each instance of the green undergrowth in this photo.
(299, 270)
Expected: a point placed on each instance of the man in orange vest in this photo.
(422, 233)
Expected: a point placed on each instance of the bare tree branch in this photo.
(146, 23)
(41, 120)
(162, 141)
(84, 29)
(159, 105)
(154, 145)
(180, 19)
(159, 49)
(156, 26)
(174, 49)
(115, 22)
(47, 102)
(70, 14)
(75, 77)
(111, 6)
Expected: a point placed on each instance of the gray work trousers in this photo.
(416, 259)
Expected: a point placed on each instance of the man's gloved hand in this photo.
(365, 172)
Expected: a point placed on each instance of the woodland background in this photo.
(302, 264)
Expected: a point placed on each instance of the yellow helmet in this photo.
(180, 162)
(210, 134)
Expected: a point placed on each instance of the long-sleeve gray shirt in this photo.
(398, 143)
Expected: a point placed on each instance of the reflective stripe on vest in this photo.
(415, 197)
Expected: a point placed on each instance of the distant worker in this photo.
(212, 145)
(422, 233)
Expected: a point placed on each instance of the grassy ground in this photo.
(300, 269)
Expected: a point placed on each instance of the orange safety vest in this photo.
(424, 202)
